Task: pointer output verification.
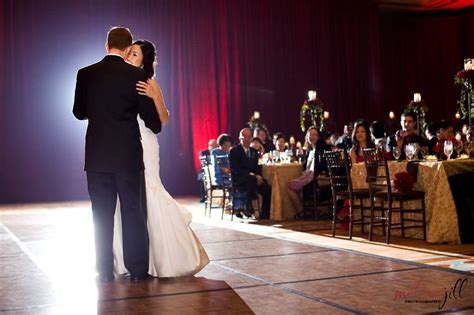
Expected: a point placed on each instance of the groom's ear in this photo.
(127, 50)
(107, 47)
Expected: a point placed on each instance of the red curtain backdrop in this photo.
(218, 61)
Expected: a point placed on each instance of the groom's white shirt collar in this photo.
(112, 54)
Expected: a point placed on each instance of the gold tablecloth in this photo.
(278, 176)
(432, 178)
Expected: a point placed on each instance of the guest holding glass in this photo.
(406, 135)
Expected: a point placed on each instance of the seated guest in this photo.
(406, 135)
(344, 141)
(225, 143)
(280, 142)
(332, 140)
(361, 140)
(445, 132)
(247, 176)
(377, 131)
(430, 133)
(200, 176)
(262, 134)
(314, 145)
(258, 145)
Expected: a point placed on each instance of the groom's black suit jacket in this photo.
(106, 95)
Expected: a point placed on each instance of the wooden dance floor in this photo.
(47, 267)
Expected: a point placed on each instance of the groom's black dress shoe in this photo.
(137, 278)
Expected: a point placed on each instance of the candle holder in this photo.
(419, 108)
(255, 122)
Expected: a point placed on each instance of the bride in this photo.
(174, 249)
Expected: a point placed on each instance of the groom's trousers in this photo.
(103, 189)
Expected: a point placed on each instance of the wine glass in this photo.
(458, 147)
(468, 148)
(396, 153)
(448, 148)
(409, 151)
(424, 152)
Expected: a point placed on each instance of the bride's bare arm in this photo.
(153, 91)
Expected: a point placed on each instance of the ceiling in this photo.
(424, 5)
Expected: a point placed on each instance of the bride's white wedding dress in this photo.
(174, 248)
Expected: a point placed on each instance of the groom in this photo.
(106, 95)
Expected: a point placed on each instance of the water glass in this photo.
(448, 148)
(458, 146)
(409, 151)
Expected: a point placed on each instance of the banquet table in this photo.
(432, 178)
(278, 176)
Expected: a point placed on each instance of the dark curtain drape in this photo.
(422, 53)
(218, 61)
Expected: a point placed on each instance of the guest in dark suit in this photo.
(106, 95)
(247, 175)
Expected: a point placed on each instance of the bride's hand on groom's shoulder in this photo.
(147, 88)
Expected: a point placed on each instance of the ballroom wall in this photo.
(218, 61)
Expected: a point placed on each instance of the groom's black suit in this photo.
(106, 95)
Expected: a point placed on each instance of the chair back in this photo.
(339, 171)
(319, 164)
(222, 162)
(206, 169)
(378, 176)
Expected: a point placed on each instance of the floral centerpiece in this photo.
(403, 182)
(255, 122)
(418, 106)
(464, 79)
(315, 107)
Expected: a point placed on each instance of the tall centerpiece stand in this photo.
(464, 78)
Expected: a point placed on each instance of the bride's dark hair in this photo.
(149, 56)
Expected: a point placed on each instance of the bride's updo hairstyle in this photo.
(149, 56)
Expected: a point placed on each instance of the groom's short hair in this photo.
(119, 38)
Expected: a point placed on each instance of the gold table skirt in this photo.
(278, 176)
(432, 178)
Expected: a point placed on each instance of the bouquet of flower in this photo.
(315, 107)
(403, 182)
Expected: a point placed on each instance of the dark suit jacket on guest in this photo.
(241, 165)
(106, 95)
